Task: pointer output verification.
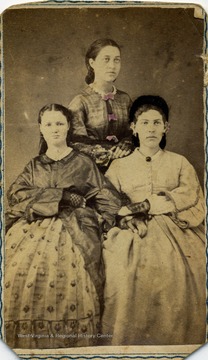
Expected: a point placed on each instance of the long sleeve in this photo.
(113, 175)
(81, 140)
(25, 198)
(188, 197)
(108, 202)
(79, 117)
(100, 193)
(170, 184)
(92, 133)
(106, 199)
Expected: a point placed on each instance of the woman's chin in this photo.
(152, 145)
(110, 79)
(55, 143)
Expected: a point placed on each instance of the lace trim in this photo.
(102, 93)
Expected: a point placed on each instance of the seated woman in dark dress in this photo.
(53, 268)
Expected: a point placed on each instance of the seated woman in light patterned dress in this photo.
(100, 111)
(53, 268)
(155, 290)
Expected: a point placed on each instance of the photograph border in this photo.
(121, 352)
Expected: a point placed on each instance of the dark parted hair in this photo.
(149, 102)
(54, 107)
(92, 53)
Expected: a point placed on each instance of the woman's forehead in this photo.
(150, 114)
(53, 116)
(109, 50)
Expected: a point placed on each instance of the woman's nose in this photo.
(151, 127)
(111, 64)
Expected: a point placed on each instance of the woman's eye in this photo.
(106, 59)
(117, 61)
(59, 123)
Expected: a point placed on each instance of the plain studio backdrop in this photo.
(44, 50)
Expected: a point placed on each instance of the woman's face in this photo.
(150, 128)
(107, 64)
(54, 127)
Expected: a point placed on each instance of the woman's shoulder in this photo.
(75, 156)
(34, 159)
(38, 159)
(173, 154)
(85, 92)
(82, 97)
(122, 94)
(31, 164)
(123, 163)
(175, 157)
(84, 157)
(85, 161)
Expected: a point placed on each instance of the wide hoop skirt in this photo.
(155, 291)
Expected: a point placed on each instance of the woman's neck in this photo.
(58, 152)
(103, 86)
(146, 151)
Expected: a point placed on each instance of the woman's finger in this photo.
(119, 153)
(131, 225)
(142, 229)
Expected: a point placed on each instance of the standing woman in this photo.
(53, 268)
(101, 111)
(155, 278)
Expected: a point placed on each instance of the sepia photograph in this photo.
(104, 181)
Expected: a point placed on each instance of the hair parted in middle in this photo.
(92, 53)
(149, 102)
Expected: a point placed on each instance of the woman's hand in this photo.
(119, 153)
(136, 225)
(101, 155)
(122, 149)
(73, 199)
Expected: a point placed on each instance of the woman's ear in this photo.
(167, 127)
(132, 127)
(91, 62)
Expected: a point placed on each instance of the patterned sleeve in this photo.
(80, 138)
(127, 130)
(79, 116)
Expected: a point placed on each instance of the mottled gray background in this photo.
(44, 51)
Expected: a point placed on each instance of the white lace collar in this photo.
(102, 93)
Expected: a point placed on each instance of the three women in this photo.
(60, 204)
